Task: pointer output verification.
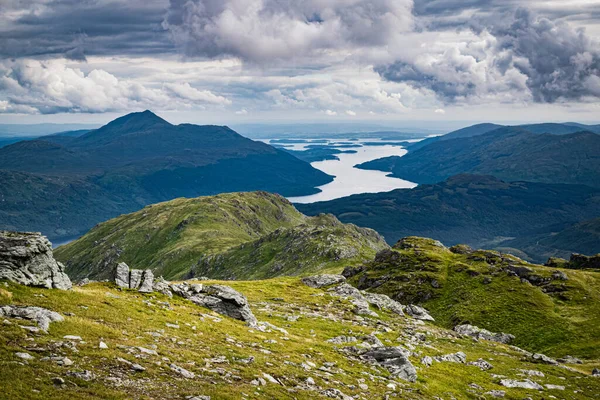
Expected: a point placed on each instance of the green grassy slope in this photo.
(218, 350)
(173, 237)
(544, 312)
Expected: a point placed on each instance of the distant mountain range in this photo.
(481, 211)
(509, 153)
(64, 184)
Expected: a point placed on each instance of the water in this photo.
(349, 180)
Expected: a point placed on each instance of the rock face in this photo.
(219, 298)
(384, 302)
(135, 278)
(142, 280)
(395, 359)
(122, 275)
(346, 291)
(42, 316)
(319, 281)
(579, 261)
(418, 312)
(483, 334)
(26, 258)
(147, 282)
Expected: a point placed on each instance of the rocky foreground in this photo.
(136, 337)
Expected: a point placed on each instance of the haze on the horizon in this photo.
(395, 62)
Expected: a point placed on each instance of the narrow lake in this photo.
(349, 180)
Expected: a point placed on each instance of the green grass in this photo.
(126, 320)
(252, 230)
(476, 288)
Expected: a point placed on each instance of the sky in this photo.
(414, 62)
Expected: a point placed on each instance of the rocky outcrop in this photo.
(218, 298)
(147, 282)
(26, 258)
(319, 281)
(42, 316)
(395, 359)
(483, 334)
(346, 291)
(142, 280)
(526, 384)
(122, 275)
(418, 312)
(384, 302)
(579, 261)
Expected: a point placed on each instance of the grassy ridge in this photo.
(173, 237)
(555, 316)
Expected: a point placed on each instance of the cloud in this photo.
(440, 111)
(350, 113)
(243, 111)
(51, 87)
(514, 57)
(264, 31)
(330, 113)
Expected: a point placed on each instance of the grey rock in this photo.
(384, 302)
(346, 291)
(42, 316)
(543, 359)
(496, 393)
(554, 387)
(319, 281)
(596, 372)
(395, 359)
(483, 334)
(335, 394)
(427, 361)
(84, 375)
(418, 312)
(569, 360)
(24, 356)
(147, 282)
(83, 282)
(526, 384)
(226, 301)
(481, 364)
(162, 286)
(458, 357)
(135, 278)
(182, 371)
(122, 275)
(200, 397)
(560, 275)
(342, 339)
(26, 258)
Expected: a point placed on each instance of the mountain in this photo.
(583, 237)
(547, 310)
(510, 154)
(228, 236)
(480, 211)
(133, 161)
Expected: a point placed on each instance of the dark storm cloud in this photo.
(75, 28)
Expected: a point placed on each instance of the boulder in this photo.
(147, 282)
(483, 334)
(162, 286)
(219, 298)
(135, 278)
(481, 364)
(346, 291)
(319, 281)
(384, 302)
(526, 384)
(543, 359)
(42, 316)
(418, 312)
(596, 372)
(26, 258)
(458, 357)
(395, 359)
(122, 275)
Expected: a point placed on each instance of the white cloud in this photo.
(33, 86)
(351, 113)
(330, 113)
(440, 111)
(243, 111)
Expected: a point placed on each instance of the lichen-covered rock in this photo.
(543, 359)
(418, 312)
(135, 278)
(483, 334)
(346, 291)
(319, 281)
(526, 384)
(162, 286)
(147, 282)
(395, 359)
(42, 316)
(26, 258)
(122, 275)
(384, 302)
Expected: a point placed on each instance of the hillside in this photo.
(238, 235)
(480, 211)
(510, 154)
(133, 161)
(547, 310)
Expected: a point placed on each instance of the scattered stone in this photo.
(395, 359)
(83, 282)
(310, 381)
(24, 356)
(560, 275)
(319, 281)
(458, 357)
(42, 316)
(342, 339)
(554, 387)
(26, 258)
(182, 371)
(596, 372)
(84, 375)
(173, 326)
(418, 312)
(569, 360)
(483, 334)
(162, 286)
(58, 381)
(198, 397)
(384, 302)
(346, 291)
(72, 337)
(335, 394)
(526, 384)
(122, 275)
(137, 368)
(147, 282)
(496, 393)
(543, 359)
(103, 345)
(532, 372)
(427, 361)
(225, 301)
(481, 364)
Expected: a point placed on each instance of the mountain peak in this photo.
(138, 120)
